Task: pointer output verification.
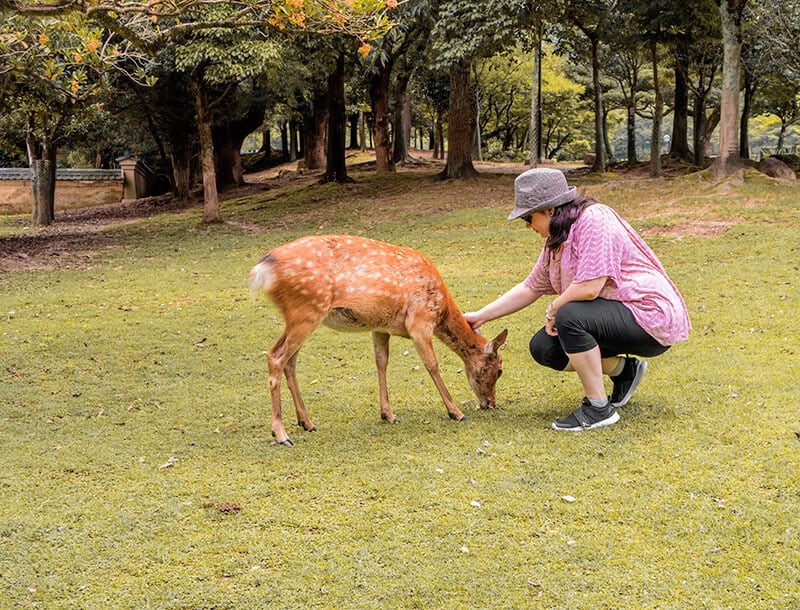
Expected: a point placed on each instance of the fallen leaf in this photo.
(569, 499)
(475, 503)
(169, 463)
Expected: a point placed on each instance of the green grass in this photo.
(153, 354)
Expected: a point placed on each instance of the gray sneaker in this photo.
(625, 383)
(587, 417)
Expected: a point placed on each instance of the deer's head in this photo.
(485, 369)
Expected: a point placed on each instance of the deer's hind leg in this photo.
(299, 406)
(281, 359)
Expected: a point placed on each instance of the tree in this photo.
(391, 61)
(728, 159)
(466, 31)
(55, 71)
(567, 123)
(625, 64)
(703, 65)
(335, 168)
(434, 90)
(216, 60)
(771, 30)
(592, 19)
(782, 100)
(241, 113)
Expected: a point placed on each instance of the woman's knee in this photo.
(547, 351)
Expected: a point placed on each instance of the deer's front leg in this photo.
(424, 347)
(299, 406)
(276, 362)
(381, 344)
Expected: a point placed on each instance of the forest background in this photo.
(182, 86)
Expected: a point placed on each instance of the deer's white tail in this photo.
(261, 276)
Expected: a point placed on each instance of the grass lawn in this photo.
(137, 468)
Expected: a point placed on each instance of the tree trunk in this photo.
(336, 168)
(292, 140)
(680, 121)
(536, 104)
(606, 142)
(658, 112)
(750, 87)
(459, 150)
(728, 160)
(781, 138)
(43, 182)
(632, 160)
(353, 122)
(402, 125)
(599, 138)
(406, 123)
(228, 159)
(204, 127)
(362, 131)
(284, 141)
(699, 129)
(437, 135)
(379, 97)
(314, 129)
(228, 139)
(181, 176)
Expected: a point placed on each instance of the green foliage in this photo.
(136, 469)
(468, 30)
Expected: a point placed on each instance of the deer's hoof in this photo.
(393, 419)
(457, 418)
(287, 442)
(307, 427)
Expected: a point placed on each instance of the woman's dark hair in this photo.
(563, 218)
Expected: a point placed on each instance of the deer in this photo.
(357, 284)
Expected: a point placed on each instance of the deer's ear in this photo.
(496, 343)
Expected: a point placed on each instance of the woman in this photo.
(613, 296)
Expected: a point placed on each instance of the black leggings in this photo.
(583, 325)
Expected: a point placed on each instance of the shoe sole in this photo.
(612, 419)
(640, 371)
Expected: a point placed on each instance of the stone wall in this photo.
(74, 189)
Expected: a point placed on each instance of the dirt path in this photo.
(78, 235)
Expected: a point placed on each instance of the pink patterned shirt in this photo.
(601, 243)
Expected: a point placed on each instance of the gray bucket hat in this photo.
(539, 189)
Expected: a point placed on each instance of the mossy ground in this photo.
(137, 469)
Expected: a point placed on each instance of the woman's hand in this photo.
(515, 299)
(550, 327)
(473, 319)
